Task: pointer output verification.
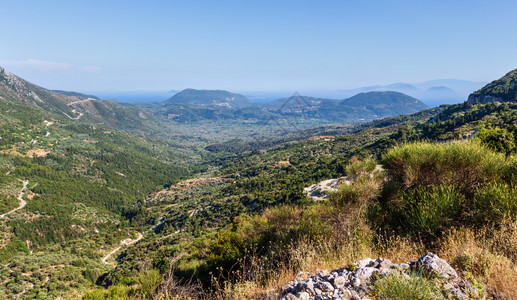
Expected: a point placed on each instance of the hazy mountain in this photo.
(432, 93)
(401, 87)
(361, 107)
(502, 90)
(458, 85)
(437, 95)
(211, 98)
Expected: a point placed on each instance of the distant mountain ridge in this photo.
(211, 98)
(200, 105)
(432, 93)
(186, 107)
(502, 90)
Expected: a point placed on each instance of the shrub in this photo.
(498, 139)
(402, 286)
(463, 164)
(495, 201)
(434, 186)
(357, 166)
(428, 210)
(149, 282)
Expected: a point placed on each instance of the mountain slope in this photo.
(70, 105)
(187, 113)
(83, 182)
(211, 98)
(502, 90)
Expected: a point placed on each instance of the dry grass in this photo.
(487, 254)
(484, 255)
(300, 260)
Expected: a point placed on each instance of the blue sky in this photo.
(255, 45)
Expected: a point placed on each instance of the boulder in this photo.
(434, 266)
(365, 262)
(365, 273)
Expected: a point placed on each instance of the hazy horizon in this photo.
(255, 46)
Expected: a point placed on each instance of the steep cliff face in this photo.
(502, 90)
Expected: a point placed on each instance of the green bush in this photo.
(435, 186)
(498, 139)
(496, 201)
(402, 286)
(463, 164)
(360, 166)
(149, 282)
(425, 210)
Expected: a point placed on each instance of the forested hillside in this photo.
(83, 183)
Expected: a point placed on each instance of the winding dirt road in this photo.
(122, 243)
(22, 202)
(130, 242)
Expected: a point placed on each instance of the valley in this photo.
(262, 150)
(116, 196)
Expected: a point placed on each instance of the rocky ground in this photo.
(355, 282)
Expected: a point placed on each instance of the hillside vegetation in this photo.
(167, 210)
(83, 183)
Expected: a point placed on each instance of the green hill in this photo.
(84, 179)
(210, 98)
(362, 107)
(502, 90)
(385, 103)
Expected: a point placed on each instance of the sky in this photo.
(254, 45)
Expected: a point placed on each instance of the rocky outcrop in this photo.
(484, 99)
(355, 281)
(322, 190)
